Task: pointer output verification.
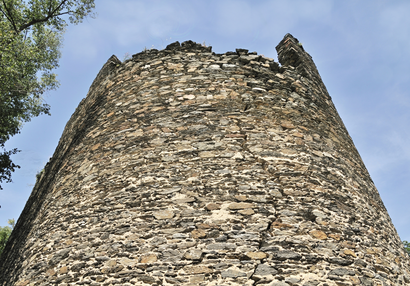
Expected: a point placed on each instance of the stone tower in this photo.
(186, 167)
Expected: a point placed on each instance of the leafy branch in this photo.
(30, 41)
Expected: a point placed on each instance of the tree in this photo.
(5, 234)
(30, 40)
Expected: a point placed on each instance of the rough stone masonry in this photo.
(186, 167)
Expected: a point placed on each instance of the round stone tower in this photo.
(186, 167)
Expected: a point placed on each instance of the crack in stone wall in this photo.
(186, 167)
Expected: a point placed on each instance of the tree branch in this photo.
(51, 14)
(36, 21)
(9, 16)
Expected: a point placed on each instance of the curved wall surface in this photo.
(186, 167)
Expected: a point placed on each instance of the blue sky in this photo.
(361, 48)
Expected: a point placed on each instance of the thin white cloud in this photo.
(394, 18)
(130, 23)
(400, 138)
(268, 17)
(141, 22)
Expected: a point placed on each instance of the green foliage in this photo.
(5, 234)
(406, 246)
(38, 175)
(30, 40)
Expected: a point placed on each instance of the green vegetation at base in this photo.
(5, 234)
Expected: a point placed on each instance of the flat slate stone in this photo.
(287, 254)
(165, 214)
(265, 270)
(239, 206)
(232, 273)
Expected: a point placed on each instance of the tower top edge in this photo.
(191, 46)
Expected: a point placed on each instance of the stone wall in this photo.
(187, 167)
